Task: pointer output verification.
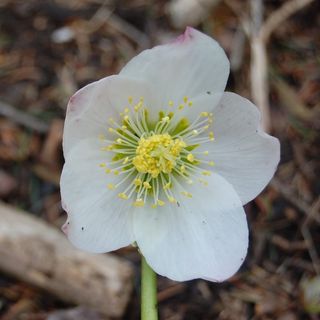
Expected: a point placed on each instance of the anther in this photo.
(190, 157)
(172, 199)
(123, 196)
(138, 203)
(167, 186)
(137, 182)
(147, 185)
(165, 119)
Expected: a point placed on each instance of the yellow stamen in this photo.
(157, 153)
(138, 203)
(137, 182)
(123, 196)
(167, 186)
(195, 132)
(166, 119)
(172, 200)
(190, 157)
(147, 185)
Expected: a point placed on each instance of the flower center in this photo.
(152, 162)
(157, 154)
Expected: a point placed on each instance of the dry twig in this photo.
(38, 253)
(258, 33)
(23, 118)
(281, 15)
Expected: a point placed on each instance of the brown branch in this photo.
(35, 252)
(280, 15)
(22, 118)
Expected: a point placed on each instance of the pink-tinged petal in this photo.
(65, 227)
(243, 154)
(186, 36)
(98, 221)
(205, 236)
(90, 109)
(190, 66)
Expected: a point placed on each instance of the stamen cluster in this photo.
(155, 158)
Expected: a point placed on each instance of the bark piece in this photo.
(38, 253)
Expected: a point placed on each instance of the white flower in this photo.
(161, 156)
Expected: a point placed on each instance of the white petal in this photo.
(204, 237)
(90, 109)
(243, 154)
(201, 103)
(191, 65)
(98, 221)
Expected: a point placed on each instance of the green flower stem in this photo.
(148, 292)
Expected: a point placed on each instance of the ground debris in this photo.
(49, 49)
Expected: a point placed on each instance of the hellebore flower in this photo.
(160, 155)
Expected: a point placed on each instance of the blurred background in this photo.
(49, 49)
